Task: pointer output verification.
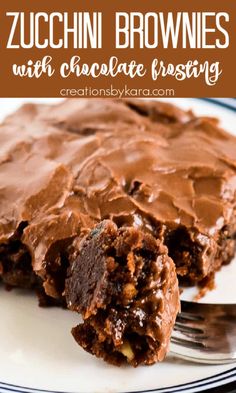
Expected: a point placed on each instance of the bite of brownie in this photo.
(125, 286)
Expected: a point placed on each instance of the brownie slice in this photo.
(135, 162)
(125, 286)
(140, 163)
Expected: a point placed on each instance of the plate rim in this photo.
(229, 103)
(209, 382)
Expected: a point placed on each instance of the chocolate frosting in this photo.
(145, 164)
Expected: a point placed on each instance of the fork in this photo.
(205, 333)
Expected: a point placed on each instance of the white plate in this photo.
(38, 353)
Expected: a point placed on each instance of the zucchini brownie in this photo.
(98, 197)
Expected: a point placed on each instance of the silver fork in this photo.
(205, 333)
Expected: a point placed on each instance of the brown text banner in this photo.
(122, 48)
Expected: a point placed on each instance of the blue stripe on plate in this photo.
(229, 103)
(225, 377)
